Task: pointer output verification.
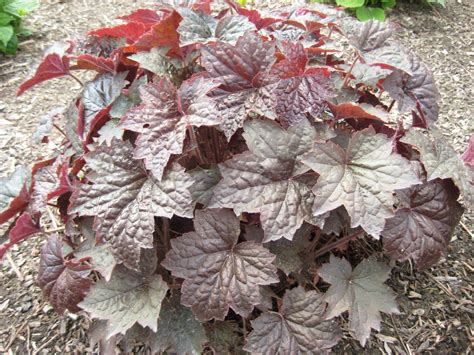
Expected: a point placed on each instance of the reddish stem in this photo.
(192, 136)
(348, 74)
(331, 246)
(76, 78)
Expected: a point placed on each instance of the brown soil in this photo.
(436, 304)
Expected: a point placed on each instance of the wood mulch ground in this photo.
(436, 304)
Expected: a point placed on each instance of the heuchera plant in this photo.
(223, 169)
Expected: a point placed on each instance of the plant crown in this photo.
(224, 168)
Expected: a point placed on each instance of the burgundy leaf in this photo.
(417, 91)
(178, 330)
(218, 272)
(53, 65)
(164, 33)
(125, 199)
(99, 256)
(254, 16)
(423, 224)
(358, 111)
(146, 17)
(164, 116)
(198, 27)
(50, 181)
(299, 91)
(97, 97)
(238, 68)
(299, 328)
(24, 227)
(14, 193)
(45, 125)
(90, 62)
(362, 292)
(441, 161)
(362, 177)
(130, 31)
(64, 283)
(264, 179)
(128, 298)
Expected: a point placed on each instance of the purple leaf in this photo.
(97, 97)
(218, 272)
(125, 199)
(423, 224)
(299, 328)
(199, 27)
(264, 179)
(178, 330)
(99, 256)
(64, 283)
(417, 91)
(23, 228)
(441, 161)
(128, 298)
(362, 292)
(297, 91)
(362, 177)
(164, 116)
(238, 68)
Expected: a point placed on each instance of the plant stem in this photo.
(338, 243)
(59, 129)
(346, 78)
(192, 136)
(391, 106)
(77, 79)
(166, 233)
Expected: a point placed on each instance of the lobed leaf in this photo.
(423, 224)
(360, 291)
(164, 116)
(441, 161)
(299, 328)
(218, 272)
(264, 179)
(128, 298)
(417, 91)
(199, 27)
(64, 283)
(238, 68)
(178, 330)
(362, 177)
(124, 200)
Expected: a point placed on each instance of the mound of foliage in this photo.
(11, 27)
(223, 169)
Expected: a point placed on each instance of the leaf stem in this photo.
(165, 227)
(192, 136)
(346, 78)
(77, 79)
(391, 106)
(59, 129)
(330, 246)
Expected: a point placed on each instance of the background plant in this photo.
(11, 23)
(214, 163)
(366, 10)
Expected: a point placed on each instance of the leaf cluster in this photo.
(11, 27)
(219, 171)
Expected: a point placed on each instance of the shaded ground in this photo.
(436, 304)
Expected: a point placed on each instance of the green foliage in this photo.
(366, 10)
(11, 28)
